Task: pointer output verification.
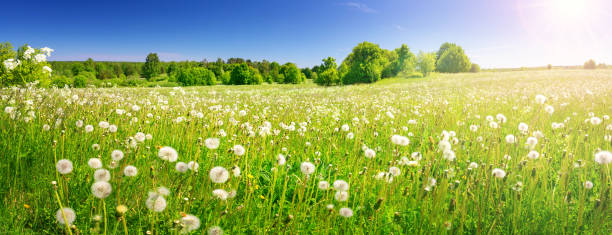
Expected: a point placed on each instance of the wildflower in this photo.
(67, 213)
(531, 142)
(307, 168)
(449, 155)
(533, 154)
(140, 137)
(350, 135)
(101, 189)
(341, 185)
(345, 127)
(510, 139)
(346, 212)
(341, 196)
(46, 127)
(369, 153)
(212, 143)
(168, 154)
(394, 171)
(444, 145)
(493, 125)
(595, 121)
(518, 186)
(238, 150)
(473, 128)
(522, 127)
(130, 170)
(156, 202)
(540, 99)
(89, 128)
(102, 175)
(236, 171)
(215, 230)
(193, 166)
(280, 159)
(181, 167)
(501, 118)
(499, 173)
(220, 194)
(323, 185)
(588, 184)
(473, 165)
(112, 128)
(400, 140)
(95, 147)
(549, 109)
(103, 124)
(64, 166)
(121, 209)
(190, 223)
(94, 163)
(603, 157)
(330, 206)
(431, 182)
(117, 155)
(218, 175)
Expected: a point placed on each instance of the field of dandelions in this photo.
(488, 153)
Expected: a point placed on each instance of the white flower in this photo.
(345, 127)
(215, 230)
(473, 165)
(499, 173)
(220, 194)
(549, 109)
(350, 135)
(148, 136)
(588, 184)
(64, 166)
(394, 171)
(67, 213)
(46, 50)
(117, 155)
(531, 142)
(473, 128)
(28, 52)
(341, 196)
(46, 69)
(431, 182)
(400, 140)
(603, 157)
(94, 163)
(181, 167)
(540, 99)
(346, 212)
(236, 171)
(130, 170)
(112, 128)
(135, 108)
(140, 137)
(444, 145)
(280, 159)
(163, 191)
(102, 175)
(103, 124)
(79, 123)
(449, 155)
(193, 166)
(156, 202)
(369, 153)
(238, 150)
(522, 127)
(510, 139)
(307, 168)
(168, 154)
(595, 121)
(533, 154)
(89, 128)
(501, 118)
(190, 223)
(101, 189)
(218, 175)
(212, 143)
(323, 185)
(341, 185)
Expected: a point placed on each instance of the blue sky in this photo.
(500, 33)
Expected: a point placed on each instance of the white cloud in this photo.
(360, 6)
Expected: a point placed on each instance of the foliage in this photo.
(151, 67)
(196, 76)
(25, 66)
(365, 64)
(292, 74)
(475, 68)
(590, 64)
(426, 63)
(452, 60)
(244, 74)
(328, 74)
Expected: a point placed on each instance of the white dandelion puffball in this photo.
(345, 127)
(307, 168)
(89, 128)
(236, 171)
(218, 175)
(603, 157)
(215, 230)
(510, 139)
(540, 99)
(350, 135)
(103, 124)
(323, 185)
(499, 173)
(346, 212)
(444, 145)
(400, 140)
(194, 166)
(220, 194)
(161, 190)
(212, 143)
(522, 127)
(449, 155)
(181, 167)
(531, 142)
(130, 171)
(117, 155)
(101, 189)
(369, 153)
(341, 185)
(102, 175)
(473, 165)
(94, 163)
(549, 109)
(190, 223)
(148, 137)
(140, 137)
(156, 202)
(588, 184)
(68, 213)
(79, 123)
(595, 121)
(168, 154)
(394, 171)
(341, 196)
(112, 128)
(473, 128)
(280, 159)
(533, 154)
(238, 150)
(64, 166)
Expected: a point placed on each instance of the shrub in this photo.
(475, 68)
(453, 60)
(196, 76)
(245, 75)
(79, 81)
(61, 81)
(364, 64)
(590, 64)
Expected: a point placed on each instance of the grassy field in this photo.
(424, 156)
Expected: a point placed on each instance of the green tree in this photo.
(292, 73)
(453, 60)
(6, 52)
(243, 74)
(475, 68)
(151, 67)
(329, 74)
(196, 76)
(365, 64)
(426, 63)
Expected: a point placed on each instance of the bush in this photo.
(328, 77)
(475, 68)
(133, 81)
(79, 81)
(426, 63)
(61, 81)
(364, 64)
(292, 74)
(245, 75)
(590, 64)
(414, 75)
(196, 76)
(453, 60)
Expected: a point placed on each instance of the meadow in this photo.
(521, 152)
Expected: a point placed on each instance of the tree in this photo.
(196, 76)
(329, 74)
(426, 63)
(6, 52)
(445, 46)
(453, 60)
(245, 75)
(590, 64)
(475, 68)
(292, 74)
(151, 67)
(365, 64)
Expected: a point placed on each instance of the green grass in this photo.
(281, 199)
